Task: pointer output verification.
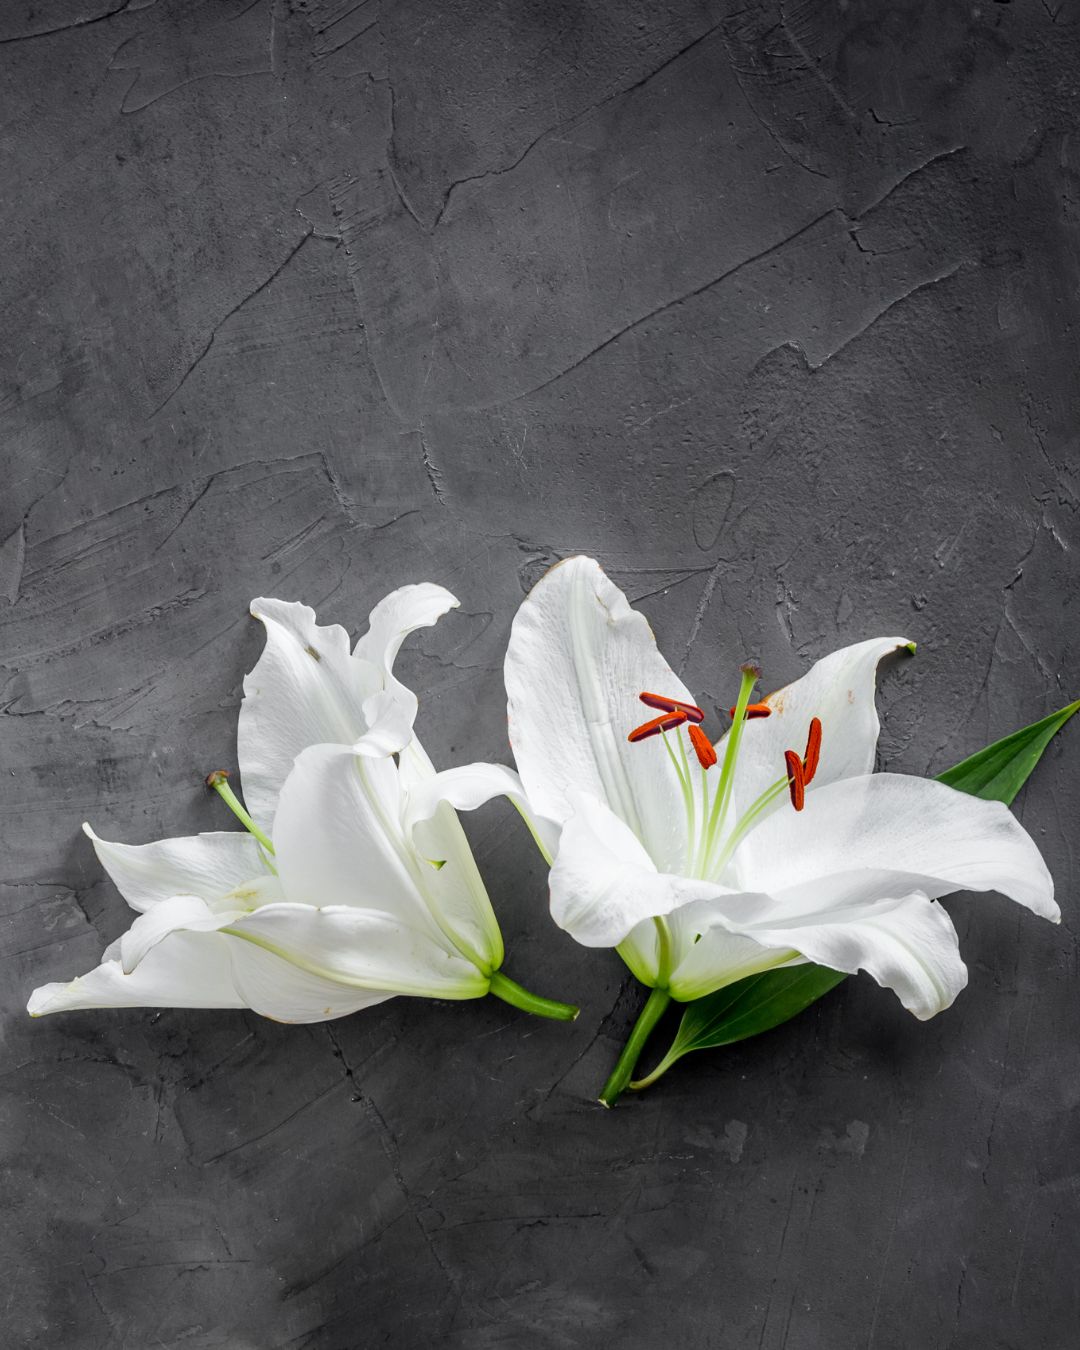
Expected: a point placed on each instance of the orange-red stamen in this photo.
(753, 710)
(703, 747)
(668, 722)
(813, 750)
(665, 704)
(796, 779)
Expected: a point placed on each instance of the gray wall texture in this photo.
(773, 309)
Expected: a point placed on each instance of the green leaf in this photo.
(764, 1001)
(999, 772)
(745, 1009)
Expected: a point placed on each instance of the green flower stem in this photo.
(219, 781)
(511, 992)
(620, 1076)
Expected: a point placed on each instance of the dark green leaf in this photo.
(764, 1001)
(999, 772)
(745, 1009)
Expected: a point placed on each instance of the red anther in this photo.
(668, 722)
(796, 779)
(813, 750)
(665, 704)
(702, 746)
(753, 710)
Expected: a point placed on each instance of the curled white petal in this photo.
(397, 615)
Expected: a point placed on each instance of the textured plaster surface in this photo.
(773, 308)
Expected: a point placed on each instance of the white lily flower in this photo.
(350, 903)
(704, 865)
(218, 929)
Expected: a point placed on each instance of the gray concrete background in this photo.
(774, 310)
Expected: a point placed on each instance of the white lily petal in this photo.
(578, 658)
(339, 838)
(451, 880)
(720, 957)
(473, 785)
(186, 970)
(207, 865)
(839, 690)
(182, 912)
(414, 766)
(640, 949)
(604, 883)
(363, 948)
(276, 989)
(885, 822)
(907, 943)
(252, 893)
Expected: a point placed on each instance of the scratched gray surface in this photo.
(773, 310)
